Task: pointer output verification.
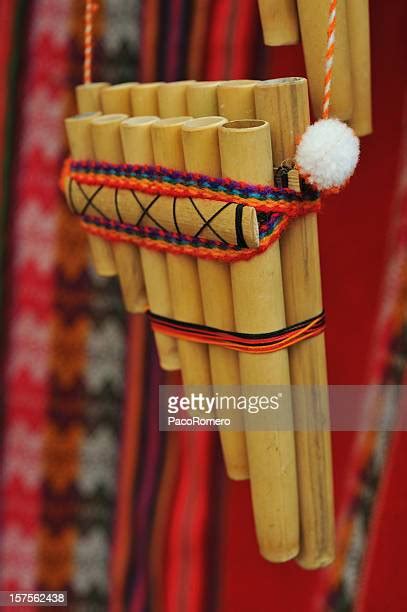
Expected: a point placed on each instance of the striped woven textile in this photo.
(64, 426)
(30, 314)
(12, 15)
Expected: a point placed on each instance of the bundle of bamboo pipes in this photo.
(284, 20)
(241, 130)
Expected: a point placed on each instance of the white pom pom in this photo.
(328, 154)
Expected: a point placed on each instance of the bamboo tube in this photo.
(182, 269)
(359, 40)
(313, 16)
(236, 99)
(172, 100)
(107, 146)
(88, 100)
(284, 104)
(202, 99)
(279, 22)
(246, 155)
(215, 279)
(144, 99)
(188, 218)
(201, 151)
(138, 148)
(136, 140)
(79, 137)
(88, 97)
(116, 99)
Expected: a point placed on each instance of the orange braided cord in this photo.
(329, 59)
(90, 9)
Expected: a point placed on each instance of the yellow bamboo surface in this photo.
(116, 99)
(201, 151)
(202, 101)
(284, 104)
(88, 97)
(258, 299)
(188, 215)
(236, 99)
(88, 100)
(215, 279)
(279, 21)
(313, 16)
(138, 149)
(108, 147)
(172, 99)
(359, 41)
(182, 269)
(144, 99)
(202, 98)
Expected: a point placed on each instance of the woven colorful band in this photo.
(235, 341)
(162, 240)
(157, 180)
(275, 207)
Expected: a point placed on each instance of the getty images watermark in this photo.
(206, 410)
(283, 408)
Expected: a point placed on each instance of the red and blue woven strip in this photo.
(275, 206)
(165, 181)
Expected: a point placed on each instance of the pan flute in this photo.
(189, 196)
(351, 96)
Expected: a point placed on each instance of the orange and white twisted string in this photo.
(90, 9)
(329, 59)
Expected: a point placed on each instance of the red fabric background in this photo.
(384, 583)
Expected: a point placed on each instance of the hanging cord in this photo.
(90, 8)
(328, 152)
(329, 59)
